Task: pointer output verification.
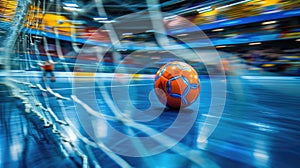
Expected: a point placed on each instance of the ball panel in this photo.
(160, 72)
(182, 66)
(161, 83)
(162, 97)
(176, 85)
(173, 102)
(171, 71)
(191, 75)
(192, 95)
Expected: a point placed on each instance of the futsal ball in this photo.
(177, 84)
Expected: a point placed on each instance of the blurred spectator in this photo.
(48, 68)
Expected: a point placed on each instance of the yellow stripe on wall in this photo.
(84, 74)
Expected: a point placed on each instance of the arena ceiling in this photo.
(88, 9)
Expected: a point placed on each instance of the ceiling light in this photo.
(204, 9)
(273, 11)
(170, 17)
(106, 21)
(233, 4)
(76, 21)
(72, 9)
(221, 46)
(36, 37)
(269, 22)
(182, 35)
(67, 4)
(256, 43)
(217, 30)
(99, 18)
(149, 31)
(126, 34)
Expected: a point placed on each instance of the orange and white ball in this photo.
(177, 84)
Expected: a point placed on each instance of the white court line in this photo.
(57, 95)
(41, 88)
(271, 77)
(71, 75)
(105, 86)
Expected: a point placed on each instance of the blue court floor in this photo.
(92, 122)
